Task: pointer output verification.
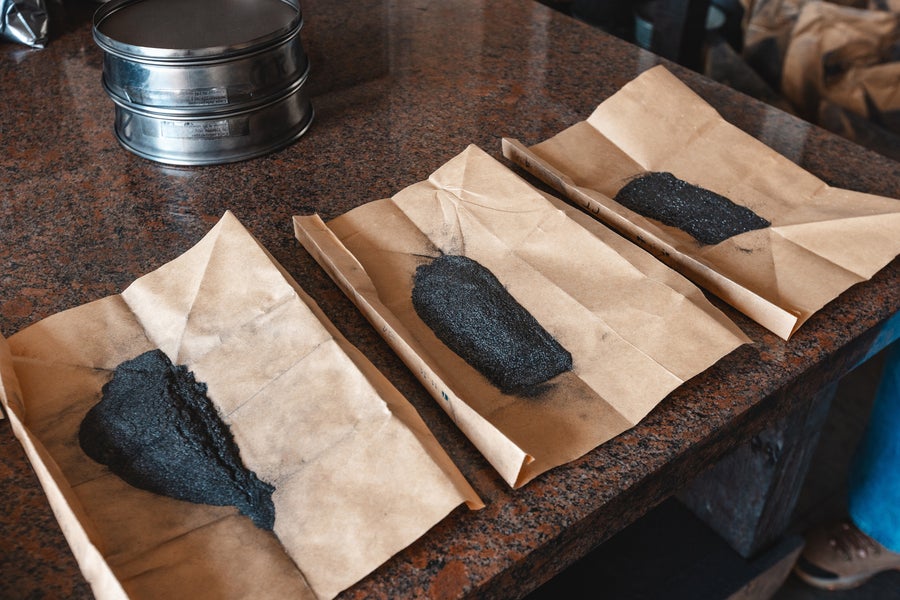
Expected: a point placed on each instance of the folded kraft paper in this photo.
(352, 473)
(541, 332)
(810, 241)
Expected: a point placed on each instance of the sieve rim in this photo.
(150, 54)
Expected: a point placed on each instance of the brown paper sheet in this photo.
(843, 56)
(768, 27)
(358, 475)
(822, 239)
(636, 329)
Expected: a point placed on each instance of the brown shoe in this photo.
(839, 556)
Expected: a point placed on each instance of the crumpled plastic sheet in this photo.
(24, 21)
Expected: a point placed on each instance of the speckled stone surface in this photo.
(399, 87)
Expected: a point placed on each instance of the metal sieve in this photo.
(204, 81)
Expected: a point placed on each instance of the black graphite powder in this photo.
(156, 428)
(471, 312)
(707, 216)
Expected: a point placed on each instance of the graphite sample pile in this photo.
(156, 428)
(708, 217)
(471, 312)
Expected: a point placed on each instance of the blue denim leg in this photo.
(874, 494)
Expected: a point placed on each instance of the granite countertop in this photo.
(399, 88)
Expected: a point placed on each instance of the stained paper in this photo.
(358, 475)
(636, 330)
(821, 241)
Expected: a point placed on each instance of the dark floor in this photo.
(671, 555)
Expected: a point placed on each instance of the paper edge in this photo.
(104, 583)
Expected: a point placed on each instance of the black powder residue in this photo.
(156, 428)
(708, 217)
(471, 312)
